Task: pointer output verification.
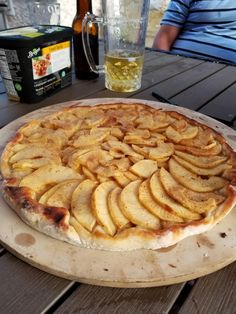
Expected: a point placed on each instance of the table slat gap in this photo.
(206, 89)
(33, 289)
(150, 79)
(222, 106)
(184, 293)
(64, 295)
(214, 293)
(181, 82)
(2, 250)
(105, 300)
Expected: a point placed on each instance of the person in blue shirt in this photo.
(199, 28)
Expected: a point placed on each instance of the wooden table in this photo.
(207, 87)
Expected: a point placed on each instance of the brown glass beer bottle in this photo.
(82, 69)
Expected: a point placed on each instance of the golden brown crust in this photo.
(98, 143)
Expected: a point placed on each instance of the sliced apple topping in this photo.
(47, 176)
(61, 197)
(163, 150)
(175, 136)
(165, 200)
(93, 118)
(36, 163)
(202, 171)
(55, 138)
(144, 168)
(131, 176)
(204, 151)
(146, 198)
(96, 136)
(141, 150)
(81, 204)
(183, 195)
(100, 206)
(45, 196)
(204, 138)
(91, 155)
(193, 181)
(145, 121)
(123, 149)
(121, 179)
(32, 151)
(114, 208)
(134, 210)
(201, 161)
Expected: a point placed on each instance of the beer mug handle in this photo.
(88, 19)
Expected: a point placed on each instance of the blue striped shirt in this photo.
(208, 28)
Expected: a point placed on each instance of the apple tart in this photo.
(119, 176)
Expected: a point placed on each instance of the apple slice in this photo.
(182, 195)
(163, 198)
(34, 151)
(124, 149)
(175, 136)
(88, 174)
(121, 179)
(144, 168)
(100, 206)
(209, 151)
(162, 151)
(36, 163)
(193, 181)
(117, 216)
(204, 139)
(44, 197)
(94, 138)
(146, 198)
(131, 176)
(62, 195)
(141, 150)
(93, 154)
(81, 204)
(201, 161)
(145, 121)
(202, 171)
(134, 210)
(40, 179)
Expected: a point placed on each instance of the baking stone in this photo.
(191, 258)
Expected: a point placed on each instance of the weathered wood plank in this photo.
(160, 60)
(149, 55)
(25, 289)
(207, 89)
(214, 293)
(222, 107)
(4, 101)
(179, 83)
(92, 299)
(159, 74)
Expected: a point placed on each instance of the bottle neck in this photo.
(84, 6)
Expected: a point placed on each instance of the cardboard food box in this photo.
(35, 61)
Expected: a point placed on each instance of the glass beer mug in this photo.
(124, 29)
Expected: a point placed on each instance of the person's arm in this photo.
(165, 37)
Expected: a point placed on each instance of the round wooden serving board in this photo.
(191, 258)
